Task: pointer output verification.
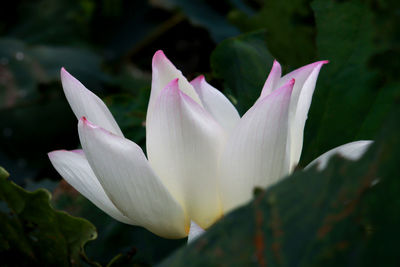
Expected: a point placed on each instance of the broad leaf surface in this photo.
(33, 233)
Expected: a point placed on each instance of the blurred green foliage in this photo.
(206, 14)
(108, 46)
(242, 62)
(32, 233)
(347, 35)
(290, 29)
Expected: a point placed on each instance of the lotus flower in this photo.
(203, 159)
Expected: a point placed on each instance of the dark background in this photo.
(108, 46)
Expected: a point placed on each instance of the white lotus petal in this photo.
(183, 146)
(256, 153)
(74, 168)
(84, 103)
(130, 183)
(351, 151)
(195, 232)
(163, 72)
(306, 78)
(216, 104)
(273, 79)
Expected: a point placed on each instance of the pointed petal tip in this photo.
(290, 87)
(287, 87)
(159, 56)
(198, 79)
(276, 63)
(197, 83)
(310, 67)
(54, 153)
(159, 52)
(51, 154)
(172, 86)
(276, 68)
(318, 64)
(286, 90)
(64, 73)
(68, 81)
(272, 79)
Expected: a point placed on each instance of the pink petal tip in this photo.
(200, 78)
(158, 57)
(276, 63)
(197, 81)
(173, 85)
(64, 72)
(287, 88)
(159, 53)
